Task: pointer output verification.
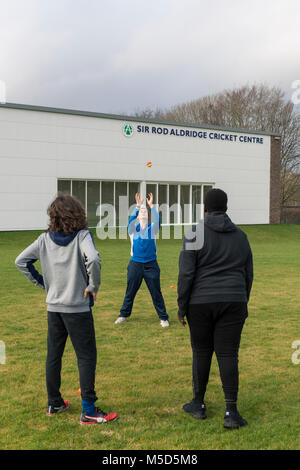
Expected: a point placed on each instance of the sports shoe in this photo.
(52, 410)
(195, 409)
(233, 420)
(164, 323)
(120, 320)
(98, 417)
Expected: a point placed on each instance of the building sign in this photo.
(192, 133)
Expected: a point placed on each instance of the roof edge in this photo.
(77, 112)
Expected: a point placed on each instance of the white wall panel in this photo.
(29, 202)
(27, 167)
(23, 220)
(31, 184)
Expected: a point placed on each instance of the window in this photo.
(196, 202)
(107, 192)
(133, 189)
(206, 188)
(64, 186)
(173, 203)
(78, 190)
(172, 199)
(185, 203)
(93, 201)
(121, 215)
(162, 202)
(152, 188)
(107, 197)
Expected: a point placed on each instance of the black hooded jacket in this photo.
(219, 268)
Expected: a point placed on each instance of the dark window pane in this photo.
(206, 188)
(173, 201)
(151, 188)
(107, 192)
(162, 202)
(196, 201)
(64, 186)
(185, 201)
(133, 189)
(121, 190)
(107, 197)
(78, 190)
(93, 201)
(162, 194)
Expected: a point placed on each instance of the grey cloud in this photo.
(117, 56)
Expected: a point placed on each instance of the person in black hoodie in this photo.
(214, 284)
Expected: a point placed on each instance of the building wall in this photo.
(275, 165)
(37, 148)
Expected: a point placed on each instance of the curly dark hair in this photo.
(66, 214)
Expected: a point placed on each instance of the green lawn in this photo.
(144, 371)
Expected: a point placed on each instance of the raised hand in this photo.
(150, 200)
(138, 200)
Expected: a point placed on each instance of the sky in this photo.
(124, 56)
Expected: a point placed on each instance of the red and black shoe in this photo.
(98, 417)
(52, 410)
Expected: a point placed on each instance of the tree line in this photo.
(253, 107)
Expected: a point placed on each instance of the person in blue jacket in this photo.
(143, 263)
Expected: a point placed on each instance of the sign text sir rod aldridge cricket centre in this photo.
(142, 129)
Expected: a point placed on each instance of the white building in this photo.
(99, 157)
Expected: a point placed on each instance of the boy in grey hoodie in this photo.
(71, 275)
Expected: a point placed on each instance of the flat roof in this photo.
(77, 112)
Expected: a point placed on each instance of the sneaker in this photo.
(233, 420)
(195, 409)
(120, 320)
(98, 417)
(52, 410)
(164, 323)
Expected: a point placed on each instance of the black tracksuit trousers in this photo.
(216, 327)
(80, 327)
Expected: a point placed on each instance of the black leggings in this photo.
(80, 327)
(216, 327)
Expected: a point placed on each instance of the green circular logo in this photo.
(128, 130)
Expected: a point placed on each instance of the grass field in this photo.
(144, 371)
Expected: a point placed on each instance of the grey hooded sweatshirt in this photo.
(70, 264)
(220, 270)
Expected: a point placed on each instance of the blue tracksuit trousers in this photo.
(150, 272)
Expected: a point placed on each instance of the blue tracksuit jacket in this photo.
(143, 245)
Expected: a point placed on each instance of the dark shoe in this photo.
(98, 417)
(233, 420)
(196, 409)
(52, 410)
